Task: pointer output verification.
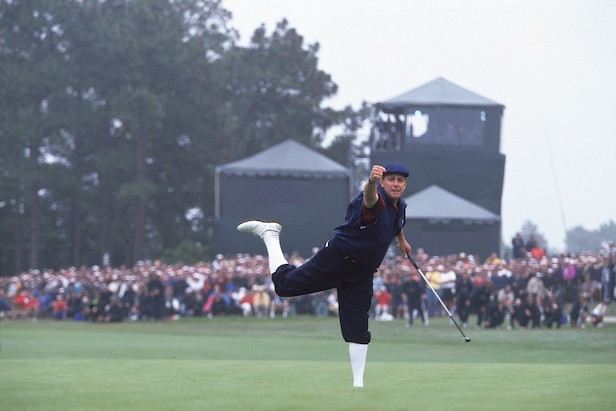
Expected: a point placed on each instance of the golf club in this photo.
(466, 339)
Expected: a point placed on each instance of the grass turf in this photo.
(300, 363)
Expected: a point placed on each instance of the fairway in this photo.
(300, 363)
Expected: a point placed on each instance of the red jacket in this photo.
(383, 298)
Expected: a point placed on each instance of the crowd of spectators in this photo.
(530, 290)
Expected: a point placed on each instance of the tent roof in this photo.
(288, 159)
(437, 203)
(439, 92)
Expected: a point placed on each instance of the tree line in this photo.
(577, 239)
(115, 113)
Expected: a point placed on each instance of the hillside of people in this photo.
(530, 290)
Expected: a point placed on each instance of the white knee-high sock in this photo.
(275, 256)
(358, 353)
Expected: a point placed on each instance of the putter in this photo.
(466, 339)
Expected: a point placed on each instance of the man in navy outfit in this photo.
(348, 261)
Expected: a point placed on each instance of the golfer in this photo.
(348, 261)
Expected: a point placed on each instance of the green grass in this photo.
(300, 363)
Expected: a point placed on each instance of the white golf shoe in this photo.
(259, 228)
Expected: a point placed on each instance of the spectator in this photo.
(216, 304)
(551, 282)
(493, 260)
(447, 286)
(501, 277)
(154, 300)
(281, 305)
(434, 278)
(537, 252)
(579, 311)
(261, 301)
(518, 283)
(595, 270)
(112, 312)
(517, 244)
(569, 274)
(246, 303)
(127, 298)
(104, 300)
(415, 292)
(219, 305)
(552, 312)
(527, 312)
(5, 307)
(481, 297)
(383, 303)
(193, 303)
(598, 313)
(76, 306)
(179, 285)
(332, 303)
(507, 297)
(534, 287)
(89, 309)
(531, 243)
(586, 286)
(609, 275)
(464, 289)
(495, 315)
(60, 307)
(397, 298)
(26, 304)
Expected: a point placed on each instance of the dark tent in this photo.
(443, 223)
(304, 190)
(437, 203)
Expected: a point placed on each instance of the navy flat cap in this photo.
(395, 168)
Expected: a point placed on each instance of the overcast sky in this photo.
(552, 64)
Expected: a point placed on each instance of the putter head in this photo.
(467, 339)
